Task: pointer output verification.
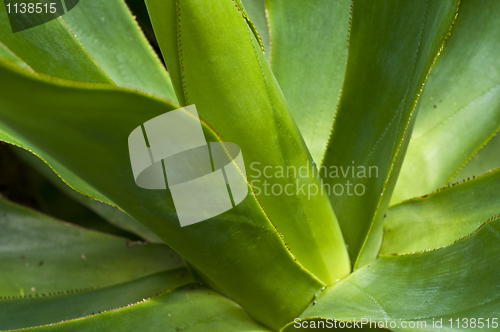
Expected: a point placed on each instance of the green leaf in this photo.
(36, 309)
(443, 217)
(81, 131)
(487, 159)
(458, 281)
(460, 108)
(217, 64)
(189, 308)
(110, 213)
(111, 35)
(49, 256)
(309, 54)
(258, 13)
(83, 46)
(7, 55)
(391, 49)
(51, 49)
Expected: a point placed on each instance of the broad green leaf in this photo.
(460, 108)
(82, 130)
(443, 217)
(487, 159)
(258, 13)
(97, 41)
(189, 308)
(40, 255)
(108, 212)
(309, 54)
(111, 35)
(458, 281)
(51, 49)
(392, 46)
(217, 64)
(38, 309)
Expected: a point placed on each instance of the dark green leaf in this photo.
(40, 255)
(36, 309)
(190, 309)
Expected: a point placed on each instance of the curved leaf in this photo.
(91, 43)
(37, 309)
(84, 128)
(443, 217)
(51, 49)
(40, 255)
(217, 64)
(111, 35)
(189, 308)
(458, 281)
(460, 108)
(391, 50)
(309, 54)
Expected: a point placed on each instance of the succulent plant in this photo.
(361, 124)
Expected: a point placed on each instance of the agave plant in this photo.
(367, 206)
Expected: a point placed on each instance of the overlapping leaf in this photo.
(84, 129)
(95, 42)
(257, 11)
(110, 213)
(460, 108)
(216, 63)
(36, 249)
(184, 309)
(53, 271)
(38, 309)
(487, 159)
(111, 35)
(443, 217)
(51, 49)
(458, 281)
(391, 49)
